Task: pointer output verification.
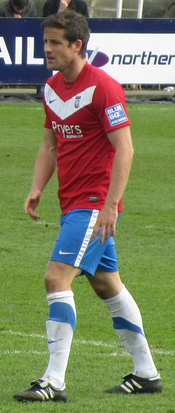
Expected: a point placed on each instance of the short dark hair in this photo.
(20, 4)
(74, 24)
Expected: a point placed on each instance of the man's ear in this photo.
(78, 44)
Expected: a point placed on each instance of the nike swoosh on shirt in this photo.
(65, 253)
(51, 100)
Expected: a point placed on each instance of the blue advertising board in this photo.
(21, 51)
(132, 50)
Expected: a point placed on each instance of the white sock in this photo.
(127, 323)
(60, 327)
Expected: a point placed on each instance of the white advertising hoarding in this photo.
(133, 51)
(142, 58)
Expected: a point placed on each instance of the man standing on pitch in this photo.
(87, 135)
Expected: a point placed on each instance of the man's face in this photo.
(59, 53)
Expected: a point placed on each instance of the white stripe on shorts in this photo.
(87, 237)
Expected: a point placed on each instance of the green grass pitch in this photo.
(145, 243)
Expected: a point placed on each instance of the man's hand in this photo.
(63, 5)
(106, 221)
(31, 203)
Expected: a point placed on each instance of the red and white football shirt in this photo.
(81, 113)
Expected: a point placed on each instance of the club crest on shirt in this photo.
(77, 101)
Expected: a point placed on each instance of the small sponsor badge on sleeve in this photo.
(116, 114)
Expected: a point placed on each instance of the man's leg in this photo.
(62, 320)
(127, 323)
(60, 327)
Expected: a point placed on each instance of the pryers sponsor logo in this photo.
(68, 131)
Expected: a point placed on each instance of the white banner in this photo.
(141, 58)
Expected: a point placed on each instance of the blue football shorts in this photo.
(74, 245)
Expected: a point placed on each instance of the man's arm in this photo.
(31, 10)
(2, 11)
(45, 165)
(121, 140)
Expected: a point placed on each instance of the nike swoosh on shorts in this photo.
(65, 253)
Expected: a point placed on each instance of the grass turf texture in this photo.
(145, 246)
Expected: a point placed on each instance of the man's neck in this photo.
(71, 74)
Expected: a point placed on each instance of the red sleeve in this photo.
(47, 123)
(110, 105)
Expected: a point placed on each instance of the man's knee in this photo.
(106, 285)
(59, 276)
(51, 275)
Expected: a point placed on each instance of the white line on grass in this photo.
(46, 223)
(120, 352)
(154, 226)
(11, 353)
(42, 222)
